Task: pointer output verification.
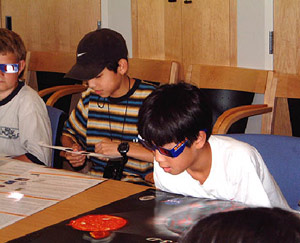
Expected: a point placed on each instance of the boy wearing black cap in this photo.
(105, 118)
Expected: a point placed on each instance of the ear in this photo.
(21, 66)
(123, 66)
(201, 140)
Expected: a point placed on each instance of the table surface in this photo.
(94, 197)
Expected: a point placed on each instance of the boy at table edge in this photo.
(105, 117)
(24, 120)
(175, 121)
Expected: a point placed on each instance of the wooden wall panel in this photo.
(51, 25)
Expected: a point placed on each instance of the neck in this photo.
(125, 86)
(201, 167)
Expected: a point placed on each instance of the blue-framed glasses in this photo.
(173, 153)
(9, 68)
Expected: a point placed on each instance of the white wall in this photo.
(255, 20)
(116, 15)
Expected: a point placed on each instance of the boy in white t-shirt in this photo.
(24, 120)
(175, 121)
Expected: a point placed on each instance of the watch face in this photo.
(123, 148)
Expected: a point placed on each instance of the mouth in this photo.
(167, 169)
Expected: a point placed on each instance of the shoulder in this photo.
(234, 152)
(142, 89)
(28, 96)
(148, 85)
(144, 85)
(230, 144)
(86, 94)
(28, 91)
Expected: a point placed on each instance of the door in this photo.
(287, 59)
(197, 32)
(51, 25)
(209, 32)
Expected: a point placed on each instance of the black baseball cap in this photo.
(95, 50)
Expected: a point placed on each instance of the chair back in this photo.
(286, 119)
(59, 62)
(57, 119)
(53, 62)
(158, 71)
(162, 71)
(243, 80)
(281, 154)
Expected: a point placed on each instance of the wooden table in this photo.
(97, 196)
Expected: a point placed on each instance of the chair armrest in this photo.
(50, 90)
(70, 89)
(230, 116)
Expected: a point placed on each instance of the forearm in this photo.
(137, 151)
(67, 141)
(22, 157)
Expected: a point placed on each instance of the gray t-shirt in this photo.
(24, 122)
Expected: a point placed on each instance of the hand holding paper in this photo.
(70, 150)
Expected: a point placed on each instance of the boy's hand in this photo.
(107, 147)
(75, 160)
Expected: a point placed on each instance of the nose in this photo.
(159, 157)
(92, 83)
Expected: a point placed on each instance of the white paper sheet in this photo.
(26, 188)
(70, 150)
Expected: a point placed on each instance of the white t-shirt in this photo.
(238, 173)
(24, 122)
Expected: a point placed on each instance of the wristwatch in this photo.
(123, 148)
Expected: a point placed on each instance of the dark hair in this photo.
(259, 225)
(174, 112)
(113, 66)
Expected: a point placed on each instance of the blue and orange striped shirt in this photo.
(114, 118)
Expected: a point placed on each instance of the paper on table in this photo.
(70, 150)
(26, 188)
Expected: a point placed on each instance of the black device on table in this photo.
(114, 168)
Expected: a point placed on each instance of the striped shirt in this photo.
(114, 118)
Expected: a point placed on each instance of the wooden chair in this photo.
(59, 62)
(160, 71)
(288, 86)
(239, 79)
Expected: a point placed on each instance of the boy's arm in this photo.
(136, 150)
(22, 157)
(67, 141)
(75, 160)
(34, 127)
